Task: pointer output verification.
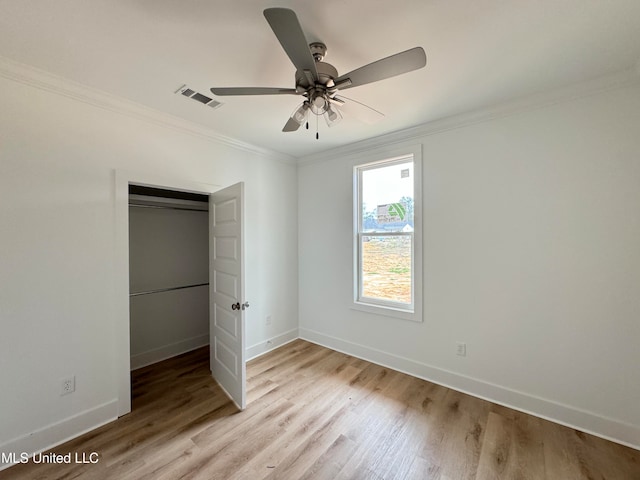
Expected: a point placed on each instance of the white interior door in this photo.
(227, 303)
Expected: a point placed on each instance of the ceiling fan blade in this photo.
(358, 110)
(253, 91)
(397, 64)
(291, 126)
(286, 26)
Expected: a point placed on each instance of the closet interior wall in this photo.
(168, 274)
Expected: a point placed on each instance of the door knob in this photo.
(245, 305)
(237, 306)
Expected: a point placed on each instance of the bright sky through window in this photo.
(386, 185)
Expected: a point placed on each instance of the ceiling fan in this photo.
(318, 82)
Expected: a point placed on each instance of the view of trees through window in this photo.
(386, 232)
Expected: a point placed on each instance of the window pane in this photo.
(386, 267)
(387, 198)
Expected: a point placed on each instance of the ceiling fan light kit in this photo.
(317, 81)
(301, 113)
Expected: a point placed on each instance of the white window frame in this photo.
(400, 310)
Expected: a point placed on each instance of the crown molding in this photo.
(545, 99)
(49, 82)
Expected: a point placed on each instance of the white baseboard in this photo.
(272, 343)
(167, 351)
(588, 422)
(58, 433)
(157, 355)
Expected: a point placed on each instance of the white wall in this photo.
(58, 252)
(531, 257)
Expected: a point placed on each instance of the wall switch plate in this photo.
(461, 349)
(68, 385)
(268, 320)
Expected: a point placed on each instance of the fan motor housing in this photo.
(326, 73)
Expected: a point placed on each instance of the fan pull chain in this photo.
(317, 134)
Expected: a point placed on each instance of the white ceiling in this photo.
(479, 53)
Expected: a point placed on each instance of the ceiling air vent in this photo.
(198, 97)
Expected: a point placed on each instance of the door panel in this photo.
(227, 289)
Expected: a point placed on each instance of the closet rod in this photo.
(167, 207)
(167, 289)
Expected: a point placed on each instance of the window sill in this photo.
(387, 311)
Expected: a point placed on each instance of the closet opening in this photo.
(168, 274)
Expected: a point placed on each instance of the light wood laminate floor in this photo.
(314, 413)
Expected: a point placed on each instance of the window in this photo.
(387, 242)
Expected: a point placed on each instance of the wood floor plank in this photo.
(379, 423)
(298, 423)
(454, 439)
(421, 469)
(331, 461)
(410, 441)
(314, 413)
(512, 448)
(300, 459)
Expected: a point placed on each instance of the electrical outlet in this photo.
(68, 385)
(461, 349)
(268, 320)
